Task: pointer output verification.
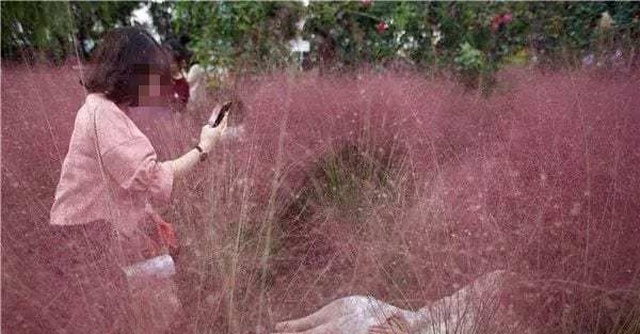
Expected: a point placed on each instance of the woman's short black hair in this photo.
(123, 62)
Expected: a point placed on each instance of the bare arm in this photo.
(182, 165)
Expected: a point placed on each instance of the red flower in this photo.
(382, 27)
(495, 22)
(500, 20)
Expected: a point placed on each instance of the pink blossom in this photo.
(507, 18)
(382, 27)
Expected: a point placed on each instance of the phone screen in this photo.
(223, 111)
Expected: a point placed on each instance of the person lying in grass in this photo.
(463, 312)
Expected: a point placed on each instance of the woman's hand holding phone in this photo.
(211, 134)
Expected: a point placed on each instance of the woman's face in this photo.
(152, 91)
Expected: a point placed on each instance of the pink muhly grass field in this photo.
(393, 185)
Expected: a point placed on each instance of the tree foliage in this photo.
(436, 33)
(33, 25)
(49, 28)
(426, 35)
(422, 35)
(91, 18)
(238, 35)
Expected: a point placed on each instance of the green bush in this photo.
(241, 36)
(238, 35)
(57, 29)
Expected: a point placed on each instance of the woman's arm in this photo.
(182, 165)
(208, 138)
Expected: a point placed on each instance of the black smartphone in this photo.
(218, 118)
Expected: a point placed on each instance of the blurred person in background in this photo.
(180, 58)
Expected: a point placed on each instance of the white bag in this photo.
(154, 303)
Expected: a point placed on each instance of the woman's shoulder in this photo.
(101, 104)
(112, 124)
(106, 112)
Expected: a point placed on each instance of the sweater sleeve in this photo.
(130, 160)
(134, 166)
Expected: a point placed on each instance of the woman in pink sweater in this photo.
(111, 180)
